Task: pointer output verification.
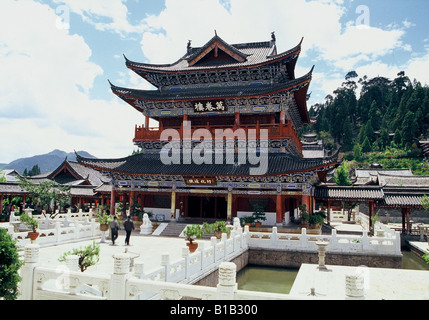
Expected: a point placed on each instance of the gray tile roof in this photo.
(256, 53)
(349, 193)
(147, 164)
(214, 92)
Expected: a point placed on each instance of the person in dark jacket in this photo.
(128, 226)
(114, 228)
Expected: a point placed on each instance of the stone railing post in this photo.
(31, 259)
(165, 262)
(365, 240)
(224, 239)
(57, 231)
(139, 270)
(213, 241)
(274, 237)
(72, 263)
(397, 242)
(227, 285)
(333, 242)
(201, 248)
(303, 238)
(185, 255)
(121, 268)
(76, 230)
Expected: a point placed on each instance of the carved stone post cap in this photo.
(31, 252)
(121, 263)
(227, 274)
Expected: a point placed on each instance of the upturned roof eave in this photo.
(169, 68)
(148, 95)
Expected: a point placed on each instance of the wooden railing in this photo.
(275, 131)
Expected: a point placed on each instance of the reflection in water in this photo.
(266, 279)
(411, 261)
(280, 280)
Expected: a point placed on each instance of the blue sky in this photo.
(56, 56)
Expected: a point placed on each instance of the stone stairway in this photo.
(173, 229)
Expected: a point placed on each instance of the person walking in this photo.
(128, 226)
(114, 228)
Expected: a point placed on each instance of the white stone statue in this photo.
(146, 227)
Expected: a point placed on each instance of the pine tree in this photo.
(366, 146)
(408, 129)
(357, 152)
(347, 135)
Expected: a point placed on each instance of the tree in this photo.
(384, 140)
(408, 129)
(9, 266)
(341, 177)
(46, 192)
(397, 138)
(357, 152)
(425, 202)
(347, 135)
(366, 146)
(88, 256)
(34, 171)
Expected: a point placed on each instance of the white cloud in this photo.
(417, 68)
(44, 83)
(111, 15)
(342, 47)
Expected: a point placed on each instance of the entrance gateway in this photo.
(250, 87)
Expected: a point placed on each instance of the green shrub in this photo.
(9, 266)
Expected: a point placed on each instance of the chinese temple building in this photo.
(227, 139)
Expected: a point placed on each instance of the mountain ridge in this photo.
(46, 162)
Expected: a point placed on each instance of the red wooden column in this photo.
(112, 201)
(131, 200)
(1, 203)
(279, 208)
(237, 120)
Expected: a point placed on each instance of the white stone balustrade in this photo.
(57, 233)
(41, 283)
(389, 244)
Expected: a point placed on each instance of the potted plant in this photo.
(217, 228)
(104, 220)
(303, 215)
(316, 219)
(103, 208)
(191, 233)
(258, 215)
(247, 220)
(32, 224)
(88, 256)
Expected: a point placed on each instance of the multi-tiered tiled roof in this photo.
(242, 75)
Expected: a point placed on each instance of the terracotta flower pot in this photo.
(104, 227)
(192, 246)
(33, 235)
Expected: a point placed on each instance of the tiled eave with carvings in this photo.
(147, 173)
(255, 61)
(289, 95)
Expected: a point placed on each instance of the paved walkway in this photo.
(149, 248)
